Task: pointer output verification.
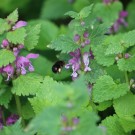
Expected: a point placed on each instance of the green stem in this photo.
(3, 117)
(126, 77)
(18, 105)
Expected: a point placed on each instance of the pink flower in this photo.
(5, 43)
(86, 61)
(19, 24)
(9, 70)
(23, 62)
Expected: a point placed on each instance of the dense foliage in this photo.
(70, 71)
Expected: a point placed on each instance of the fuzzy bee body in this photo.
(56, 68)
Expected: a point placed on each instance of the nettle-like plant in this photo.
(101, 63)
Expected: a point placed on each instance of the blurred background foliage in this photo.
(50, 14)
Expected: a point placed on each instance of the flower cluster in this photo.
(119, 22)
(21, 64)
(9, 120)
(80, 60)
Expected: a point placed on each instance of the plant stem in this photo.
(3, 117)
(126, 77)
(18, 105)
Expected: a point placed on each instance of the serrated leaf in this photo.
(4, 26)
(51, 121)
(17, 36)
(106, 89)
(101, 58)
(5, 96)
(85, 11)
(54, 93)
(124, 106)
(6, 57)
(32, 37)
(113, 126)
(126, 64)
(114, 48)
(104, 11)
(128, 39)
(63, 44)
(28, 84)
(104, 105)
(87, 125)
(13, 17)
(95, 73)
(72, 14)
(128, 124)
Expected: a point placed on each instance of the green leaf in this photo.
(32, 37)
(104, 105)
(63, 44)
(85, 12)
(106, 89)
(95, 73)
(28, 84)
(13, 17)
(104, 11)
(4, 26)
(128, 39)
(5, 96)
(48, 32)
(101, 58)
(27, 111)
(126, 64)
(6, 57)
(72, 14)
(128, 124)
(17, 36)
(114, 49)
(124, 106)
(87, 125)
(53, 93)
(113, 126)
(46, 121)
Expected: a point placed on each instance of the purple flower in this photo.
(12, 119)
(19, 24)
(74, 62)
(87, 42)
(127, 55)
(75, 121)
(9, 70)
(86, 61)
(106, 1)
(86, 34)
(5, 43)
(76, 37)
(17, 49)
(123, 14)
(23, 62)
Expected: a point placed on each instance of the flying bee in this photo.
(56, 68)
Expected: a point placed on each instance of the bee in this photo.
(56, 68)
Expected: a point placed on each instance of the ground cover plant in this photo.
(67, 69)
